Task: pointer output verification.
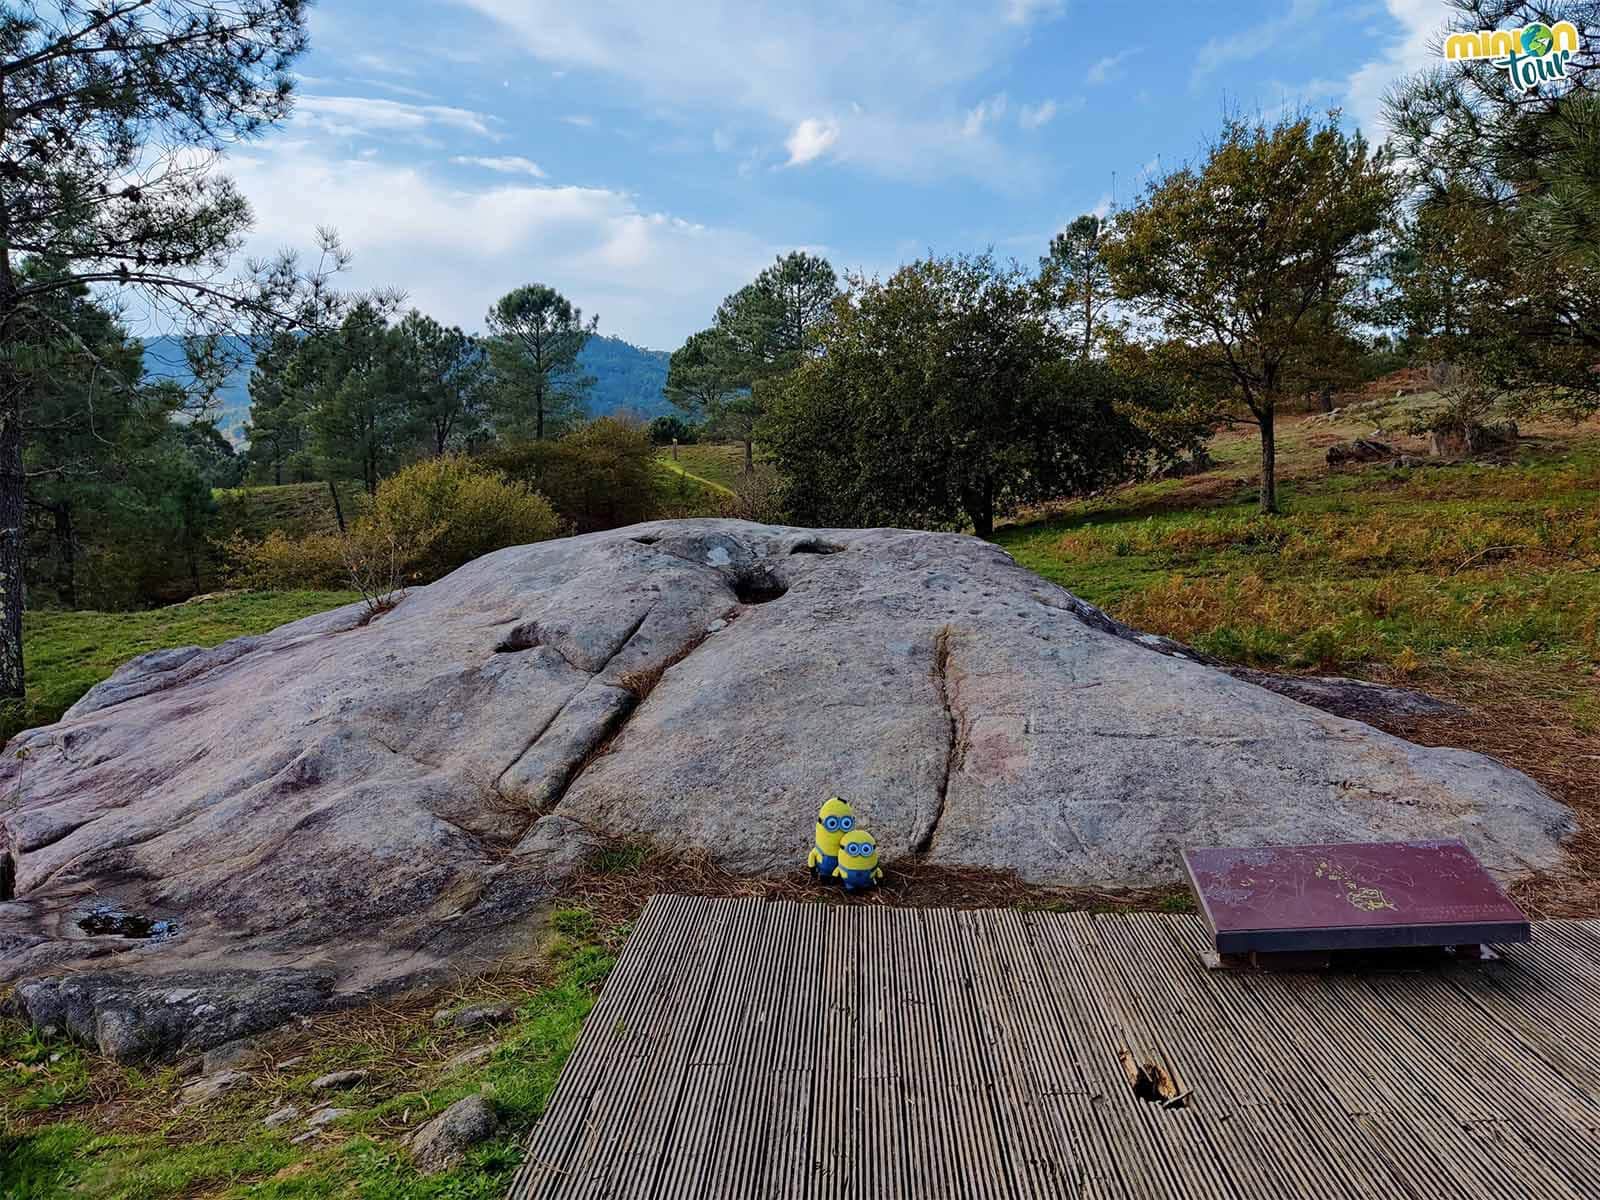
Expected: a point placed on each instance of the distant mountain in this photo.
(164, 359)
(627, 378)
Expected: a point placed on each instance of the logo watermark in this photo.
(1531, 55)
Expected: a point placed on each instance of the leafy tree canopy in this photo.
(537, 335)
(941, 397)
(1255, 260)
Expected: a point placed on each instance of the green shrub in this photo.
(443, 512)
(278, 561)
(599, 476)
(424, 522)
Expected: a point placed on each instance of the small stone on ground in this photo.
(337, 1079)
(280, 1116)
(474, 1016)
(229, 1054)
(444, 1141)
(327, 1116)
(211, 1086)
(470, 1057)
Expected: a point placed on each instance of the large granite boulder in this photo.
(362, 803)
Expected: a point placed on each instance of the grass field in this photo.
(717, 464)
(683, 493)
(1411, 570)
(1476, 583)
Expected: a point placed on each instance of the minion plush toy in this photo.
(858, 861)
(834, 820)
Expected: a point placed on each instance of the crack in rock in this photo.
(547, 778)
(956, 753)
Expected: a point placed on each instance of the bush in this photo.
(424, 522)
(279, 562)
(599, 476)
(443, 512)
(757, 496)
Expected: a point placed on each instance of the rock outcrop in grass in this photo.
(344, 805)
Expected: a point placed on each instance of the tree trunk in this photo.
(980, 508)
(66, 555)
(1088, 319)
(338, 513)
(277, 469)
(538, 414)
(12, 682)
(749, 456)
(1269, 461)
(1327, 397)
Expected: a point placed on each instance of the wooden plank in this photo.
(634, 986)
(1069, 1100)
(732, 1167)
(713, 1068)
(787, 1167)
(1267, 1071)
(772, 1049)
(1254, 1115)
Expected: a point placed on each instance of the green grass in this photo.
(716, 464)
(1377, 567)
(224, 1150)
(295, 508)
(680, 494)
(67, 653)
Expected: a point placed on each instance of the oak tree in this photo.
(1254, 260)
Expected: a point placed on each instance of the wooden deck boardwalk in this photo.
(746, 1048)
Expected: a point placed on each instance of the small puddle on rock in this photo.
(106, 921)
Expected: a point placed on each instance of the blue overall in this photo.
(855, 880)
(824, 869)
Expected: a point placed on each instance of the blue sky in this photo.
(647, 158)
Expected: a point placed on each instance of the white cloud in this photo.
(379, 62)
(1252, 41)
(1106, 69)
(1312, 91)
(1417, 22)
(506, 164)
(1032, 116)
(810, 139)
(578, 119)
(651, 276)
(778, 65)
(398, 89)
(987, 111)
(1020, 12)
(350, 115)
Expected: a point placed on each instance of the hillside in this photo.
(627, 378)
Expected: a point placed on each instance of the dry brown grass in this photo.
(1526, 722)
(617, 896)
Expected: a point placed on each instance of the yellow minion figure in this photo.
(834, 820)
(858, 861)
